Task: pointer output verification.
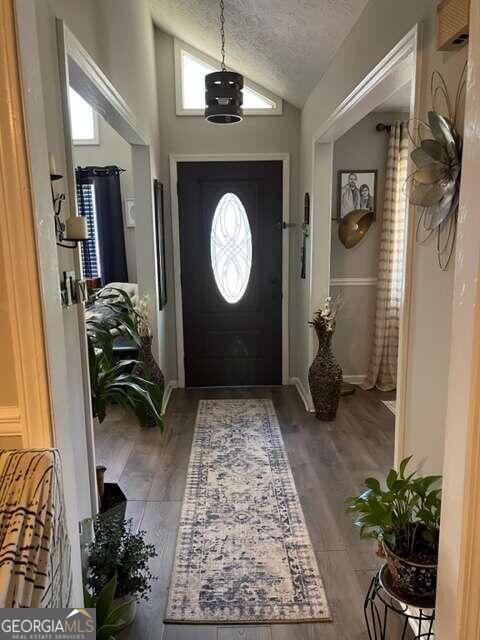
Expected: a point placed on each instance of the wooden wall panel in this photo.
(26, 414)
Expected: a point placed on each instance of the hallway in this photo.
(329, 462)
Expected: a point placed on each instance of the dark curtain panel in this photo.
(109, 220)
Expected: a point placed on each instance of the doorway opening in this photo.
(368, 239)
(109, 178)
(395, 77)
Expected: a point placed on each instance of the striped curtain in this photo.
(34, 547)
(382, 371)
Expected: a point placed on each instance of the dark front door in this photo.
(231, 261)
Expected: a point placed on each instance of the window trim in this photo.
(79, 142)
(180, 46)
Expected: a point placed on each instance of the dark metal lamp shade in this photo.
(223, 97)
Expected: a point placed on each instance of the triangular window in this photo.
(191, 69)
(83, 119)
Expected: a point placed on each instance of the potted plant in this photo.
(118, 551)
(117, 382)
(110, 614)
(404, 517)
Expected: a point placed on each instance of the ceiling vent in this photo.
(452, 24)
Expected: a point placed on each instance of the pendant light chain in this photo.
(222, 32)
(223, 89)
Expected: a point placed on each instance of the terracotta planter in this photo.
(131, 611)
(325, 375)
(411, 579)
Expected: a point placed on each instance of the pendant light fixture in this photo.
(223, 89)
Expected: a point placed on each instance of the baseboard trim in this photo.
(303, 393)
(354, 378)
(169, 387)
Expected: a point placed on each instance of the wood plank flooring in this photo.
(329, 462)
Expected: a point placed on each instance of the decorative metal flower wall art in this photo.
(437, 156)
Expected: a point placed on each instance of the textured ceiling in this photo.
(283, 45)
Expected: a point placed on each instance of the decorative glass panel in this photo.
(231, 248)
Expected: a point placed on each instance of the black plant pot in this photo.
(411, 579)
(113, 502)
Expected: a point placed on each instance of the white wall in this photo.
(362, 147)
(191, 134)
(118, 34)
(382, 24)
(113, 150)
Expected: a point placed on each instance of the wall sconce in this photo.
(74, 230)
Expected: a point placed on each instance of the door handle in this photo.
(285, 225)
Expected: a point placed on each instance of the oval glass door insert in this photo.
(231, 248)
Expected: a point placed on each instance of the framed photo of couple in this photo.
(357, 189)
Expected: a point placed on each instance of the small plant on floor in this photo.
(118, 551)
(404, 517)
(110, 615)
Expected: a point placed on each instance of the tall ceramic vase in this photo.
(325, 375)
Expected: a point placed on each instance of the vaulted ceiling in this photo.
(283, 45)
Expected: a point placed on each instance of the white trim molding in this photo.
(353, 282)
(354, 378)
(169, 387)
(304, 394)
(234, 157)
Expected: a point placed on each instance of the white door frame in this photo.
(400, 66)
(76, 67)
(79, 70)
(234, 157)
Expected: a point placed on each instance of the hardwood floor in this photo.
(329, 462)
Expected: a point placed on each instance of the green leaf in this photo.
(403, 466)
(105, 600)
(373, 484)
(88, 600)
(391, 477)
(116, 614)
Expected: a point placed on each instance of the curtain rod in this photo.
(94, 171)
(383, 127)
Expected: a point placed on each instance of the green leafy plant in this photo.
(405, 514)
(115, 382)
(116, 316)
(118, 551)
(109, 615)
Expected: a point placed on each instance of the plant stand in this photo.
(383, 607)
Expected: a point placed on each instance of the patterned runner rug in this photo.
(391, 404)
(243, 551)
